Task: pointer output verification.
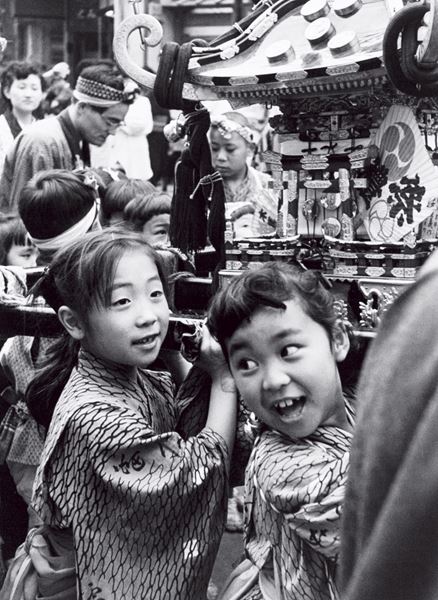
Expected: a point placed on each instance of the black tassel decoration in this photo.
(197, 188)
(188, 218)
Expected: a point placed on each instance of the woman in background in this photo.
(22, 87)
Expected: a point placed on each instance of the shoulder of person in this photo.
(81, 412)
(142, 101)
(296, 459)
(430, 267)
(262, 178)
(41, 129)
(5, 130)
(292, 474)
(161, 380)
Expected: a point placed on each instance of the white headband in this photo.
(75, 232)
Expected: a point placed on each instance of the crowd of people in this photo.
(117, 453)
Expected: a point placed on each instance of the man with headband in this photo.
(61, 142)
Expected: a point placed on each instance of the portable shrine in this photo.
(354, 168)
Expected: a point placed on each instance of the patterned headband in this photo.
(227, 127)
(100, 94)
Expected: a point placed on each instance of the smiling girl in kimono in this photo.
(141, 508)
(280, 331)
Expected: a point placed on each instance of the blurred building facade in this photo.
(49, 31)
(205, 19)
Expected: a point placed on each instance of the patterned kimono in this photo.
(254, 190)
(9, 129)
(19, 364)
(293, 496)
(146, 507)
(51, 143)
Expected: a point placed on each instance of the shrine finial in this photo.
(120, 46)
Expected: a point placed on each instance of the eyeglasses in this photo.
(112, 123)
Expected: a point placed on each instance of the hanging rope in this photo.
(163, 78)
(171, 73)
(402, 67)
(209, 180)
(198, 191)
(198, 204)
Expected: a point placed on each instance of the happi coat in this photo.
(52, 143)
(9, 129)
(294, 492)
(145, 506)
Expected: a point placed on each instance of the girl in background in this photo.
(142, 507)
(16, 249)
(283, 338)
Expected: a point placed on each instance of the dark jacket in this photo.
(390, 530)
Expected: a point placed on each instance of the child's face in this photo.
(21, 256)
(285, 369)
(131, 330)
(156, 230)
(228, 154)
(25, 95)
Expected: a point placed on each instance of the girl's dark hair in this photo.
(80, 277)
(19, 70)
(143, 207)
(119, 193)
(53, 201)
(271, 285)
(12, 231)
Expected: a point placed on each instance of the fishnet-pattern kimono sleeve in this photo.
(146, 510)
(159, 399)
(295, 490)
(192, 402)
(306, 483)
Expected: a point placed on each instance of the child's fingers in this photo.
(208, 345)
(211, 355)
(206, 337)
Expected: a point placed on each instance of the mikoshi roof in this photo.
(288, 47)
(199, 3)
